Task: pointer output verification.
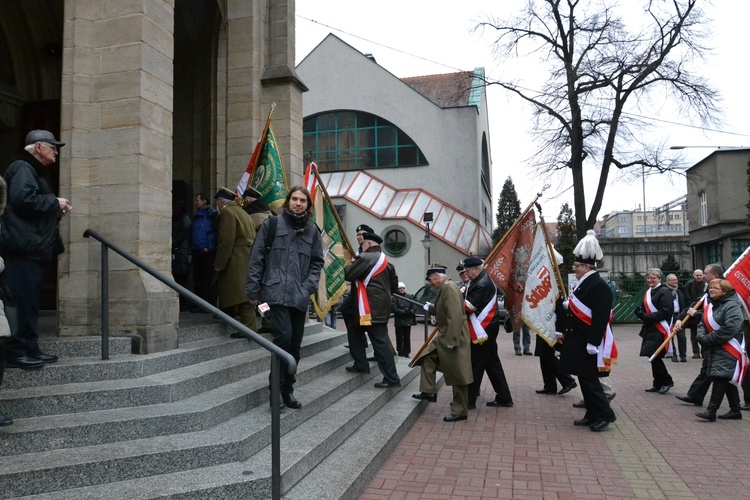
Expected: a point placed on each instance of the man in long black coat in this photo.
(590, 306)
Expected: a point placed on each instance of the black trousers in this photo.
(694, 339)
(484, 358)
(203, 275)
(23, 278)
(287, 328)
(597, 406)
(701, 384)
(403, 340)
(548, 363)
(381, 344)
(679, 344)
(660, 373)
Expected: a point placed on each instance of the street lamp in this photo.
(427, 241)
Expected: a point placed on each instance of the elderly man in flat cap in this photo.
(450, 351)
(373, 281)
(30, 240)
(255, 207)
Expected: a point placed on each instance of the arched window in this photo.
(355, 140)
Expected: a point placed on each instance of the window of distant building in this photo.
(713, 252)
(396, 241)
(704, 208)
(354, 140)
(485, 166)
(623, 230)
(739, 246)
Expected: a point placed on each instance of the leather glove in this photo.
(638, 311)
(591, 349)
(558, 335)
(426, 306)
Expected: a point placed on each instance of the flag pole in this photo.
(550, 249)
(511, 229)
(333, 209)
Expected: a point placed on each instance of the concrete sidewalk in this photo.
(656, 449)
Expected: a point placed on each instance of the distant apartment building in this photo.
(659, 222)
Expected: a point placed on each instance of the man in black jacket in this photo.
(695, 289)
(656, 315)
(480, 304)
(373, 281)
(28, 240)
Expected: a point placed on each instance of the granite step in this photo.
(234, 440)
(327, 423)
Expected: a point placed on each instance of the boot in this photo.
(733, 397)
(717, 394)
(290, 401)
(247, 315)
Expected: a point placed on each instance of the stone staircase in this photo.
(194, 422)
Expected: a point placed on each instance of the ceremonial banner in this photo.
(335, 252)
(738, 275)
(508, 264)
(309, 180)
(541, 291)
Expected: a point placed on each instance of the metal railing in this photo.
(277, 354)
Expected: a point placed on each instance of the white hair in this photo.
(30, 147)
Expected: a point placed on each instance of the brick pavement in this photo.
(656, 449)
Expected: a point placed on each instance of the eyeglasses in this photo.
(54, 148)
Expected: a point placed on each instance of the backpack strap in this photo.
(273, 223)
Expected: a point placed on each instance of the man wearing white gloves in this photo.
(586, 349)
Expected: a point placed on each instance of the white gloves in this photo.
(558, 335)
(450, 346)
(591, 349)
(565, 304)
(426, 306)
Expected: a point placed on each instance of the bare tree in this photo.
(604, 79)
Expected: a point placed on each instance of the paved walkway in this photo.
(656, 449)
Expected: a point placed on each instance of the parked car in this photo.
(427, 294)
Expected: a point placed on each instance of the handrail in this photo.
(276, 352)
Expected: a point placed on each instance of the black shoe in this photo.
(674, 359)
(432, 398)
(386, 385)
(745, 407)
(44, 358)
(710, 416)
(518, 353)
(24, 362)
(454, 418)
(5, 421)
(471, 406)
(546, 391)
(599, 426)
(653, 389)
(665, 388)
(528, 353)
(687, 399)
(732, 415)
(582, 422)
(351, 369)
(290, 401)
(371, 358)
(567, 388)
(237, 335)
(495, 403)
(683, 359)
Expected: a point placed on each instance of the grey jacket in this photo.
(290, 272)
(728, 315)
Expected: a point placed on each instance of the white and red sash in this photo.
(363, 303)
(664, 327)
(607, 354)
(478, 323)
(732, 346)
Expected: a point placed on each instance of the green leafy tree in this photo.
(566, 238)
(508, 210)
(604, 74)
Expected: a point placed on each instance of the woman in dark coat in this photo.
(656, 314)
(720, 334)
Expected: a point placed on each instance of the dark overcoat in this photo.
(727, 313)
(575, 360)
(652, 337)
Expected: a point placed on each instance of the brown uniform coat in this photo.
(234, 240)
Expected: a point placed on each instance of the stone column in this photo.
(117, 166)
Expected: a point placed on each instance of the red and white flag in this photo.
(541, 290)
(309, 179)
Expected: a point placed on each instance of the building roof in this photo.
(449, 90)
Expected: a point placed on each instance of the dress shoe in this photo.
(472, 406)
(290, 401)
(732, 415)
(745, 407)
(432, 398)
(24, 362)
(696, 356)
(674, 359)
(495, 404)
(600, 425)
(4, 421)
(567, 388)
(580, 404)
(653, 389)
(386, 385)
(518, 353)
(665, 388)
(351, 369)
(582, 422)
(528, 353)
(683, 359)
(454, 418)
(710, 416)
(545, 391)
(371, 358)
(610, 398)
(689, 400)
(45, 358)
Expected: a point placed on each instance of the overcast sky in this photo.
(423, 37)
